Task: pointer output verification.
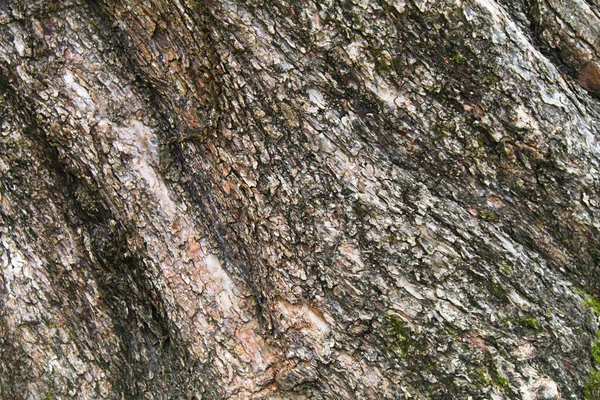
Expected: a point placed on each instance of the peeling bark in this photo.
(265, 199)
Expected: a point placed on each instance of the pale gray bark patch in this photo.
(339, 199)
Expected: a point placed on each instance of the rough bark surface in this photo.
(267, 199)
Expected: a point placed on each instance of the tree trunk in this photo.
(344, 199)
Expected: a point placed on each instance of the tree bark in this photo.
(344, 199)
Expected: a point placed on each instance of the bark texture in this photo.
(338, 199)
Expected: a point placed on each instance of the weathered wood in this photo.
(270, 199)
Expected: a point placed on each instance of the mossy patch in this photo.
(400, 333)
(493, 375)
(502, 381)
(592, 303)
(596, 349)
(443, 129)
(482, 379)
(505, 266)
(499, 291)
(451, 331)
(529, 322)
(591, 389)
(458, 58)
(490, 78)
(589, 301)
(403, 338)
(490, 217)
(498, 379)
(385, 64)
(394, 239)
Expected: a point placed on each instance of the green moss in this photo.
(496, 377)
(596, 350)
(502, 381)
(482, 379)
(400, 333)
(505, 322)
(442, 130)
(452, 332)
(530, 323)
(457, 58)
(449, 382)
(394, 239)
(591, 389)
(499, 291)
(589, 301)
(49, 324)
(490, 217)
(499, 380)
(49, 396)
(592, 303)
(385, 64)
(490, 79)
(505, 266)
